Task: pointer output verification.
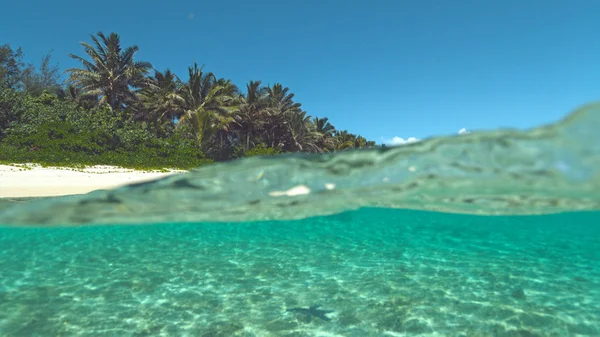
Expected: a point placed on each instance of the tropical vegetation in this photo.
(116, 110)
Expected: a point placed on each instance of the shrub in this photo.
(49, 131)
(261, 150)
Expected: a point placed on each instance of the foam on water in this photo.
(373, 236)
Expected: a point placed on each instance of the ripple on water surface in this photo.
(382, 272)
(550, 169)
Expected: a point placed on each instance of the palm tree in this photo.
(207, 104)
(74, 94)
(344, 140)
(302, 134)
(367, 143)
(224, 117)
(112, 73)
(280, 105)
(248, 118)
(325, 133)
(159, 98)
(360, 142)
(230, 90)
(191, 101)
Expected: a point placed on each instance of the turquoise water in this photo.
(490, 234)
(382, 272)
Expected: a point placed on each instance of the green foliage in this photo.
(52, 132)
(262, 150)
(14, 74)
(11, 62)
(43, 80)
(111, 71)
(259, 150)
(114, 112)
(12, 106)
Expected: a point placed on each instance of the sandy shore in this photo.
(32, 180)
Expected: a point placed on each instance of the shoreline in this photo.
(33, 180)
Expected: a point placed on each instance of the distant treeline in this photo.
(116, 110)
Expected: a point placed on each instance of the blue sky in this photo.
(379, 68)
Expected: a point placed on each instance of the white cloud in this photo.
(400, 141)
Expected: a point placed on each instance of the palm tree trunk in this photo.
(273, 138)
(221, 146)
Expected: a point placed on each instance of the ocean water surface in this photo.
(489, 234)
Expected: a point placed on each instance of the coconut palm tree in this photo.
(248, 118)
(192, 97)
(279, 106)
(159, 98)
(111, 73)
(75, 94)
(325, 133)
(360, 142)
(207, 104)
(344, 140)
(302, 134)
(224, 117)
(363, 142)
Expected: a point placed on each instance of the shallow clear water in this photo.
(491, 234)
(382, 272)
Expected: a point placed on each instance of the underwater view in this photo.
(490, 234)
(374, 272)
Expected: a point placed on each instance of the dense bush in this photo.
(261, 150)
(50, 131)
(12, 106)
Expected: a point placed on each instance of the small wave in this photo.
(550, 169)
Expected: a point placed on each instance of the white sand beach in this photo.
(31, 180)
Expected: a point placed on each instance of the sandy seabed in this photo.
(381, 273)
